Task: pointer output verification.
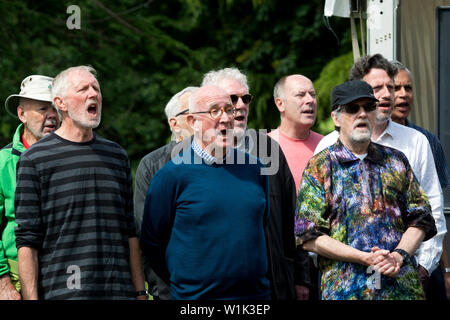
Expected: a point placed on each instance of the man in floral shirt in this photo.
(361, 209)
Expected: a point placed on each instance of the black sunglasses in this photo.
(246, 98)
(354, 108)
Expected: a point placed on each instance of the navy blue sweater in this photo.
(203, 228)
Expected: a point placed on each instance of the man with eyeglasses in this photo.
(289, 267)
(206, 211)
(361, 209)
(176, 112)
(379, 73)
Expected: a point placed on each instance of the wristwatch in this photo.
(446, 270)
(406, 256)
(142, 293)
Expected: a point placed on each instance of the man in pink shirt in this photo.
(295, 98)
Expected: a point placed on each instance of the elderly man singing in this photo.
(206, 210)
(361, 208)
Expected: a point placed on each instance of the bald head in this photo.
(289, 81)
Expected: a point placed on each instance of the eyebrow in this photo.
(218, 107)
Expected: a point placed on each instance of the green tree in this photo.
(334, 73)
(146, 51)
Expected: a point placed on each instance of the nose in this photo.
(362, 113)
(402, 91)
(51, 112)
(386, 93)
(92, 92)
(241, 111)
(225, 117)
(309, 98)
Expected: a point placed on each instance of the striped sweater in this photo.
(74, 205)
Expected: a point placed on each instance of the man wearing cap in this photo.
(380, 73)
(361, 209)
(34, 109)
(76, 235)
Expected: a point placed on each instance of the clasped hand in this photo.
(384, 262)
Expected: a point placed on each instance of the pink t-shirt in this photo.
(297, 152)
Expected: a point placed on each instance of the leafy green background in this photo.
(145, 51)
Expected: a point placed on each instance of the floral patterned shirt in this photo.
(363, 204)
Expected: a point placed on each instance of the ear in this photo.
(59, 103)
(280, 105)
(173, 123)
(191, 121)
(21, 114)
(336, 119)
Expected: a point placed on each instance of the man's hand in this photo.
(7, 289)
(302, 292)
(390, 265)
(375, 255)
(385, 262)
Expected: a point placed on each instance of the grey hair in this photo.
(278, 91)
(213, 77)
(61, 83)
(400, 66)
(173, 106)
(337, 113)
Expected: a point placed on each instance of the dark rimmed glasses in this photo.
(182, 112)
(246, 98)
(354, 107)
(216, 112)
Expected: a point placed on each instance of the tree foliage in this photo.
(146, 51)
(334, 73)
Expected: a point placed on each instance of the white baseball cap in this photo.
(34, 87)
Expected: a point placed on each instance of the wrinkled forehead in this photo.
(210, 97)
(33, 104)
(81, 77)
(299, 83)
(403, 77)
(184, 99)
(377, 77)
(232, 86)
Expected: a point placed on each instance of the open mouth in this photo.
(362, 125)
(402, 105)
(49, 127)
(92, 109)
(386, 105)
(308, 111)
(239, 118)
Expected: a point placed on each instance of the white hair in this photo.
(61, 83)
(174, 105)
(215, 76)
